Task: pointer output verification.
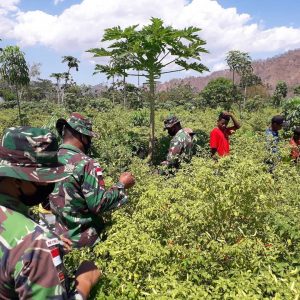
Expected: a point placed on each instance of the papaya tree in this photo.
(150, 50)
(14, 70)
(58, 86)
(62, 79)
(239, 63)
(72, 62)
(116, 68)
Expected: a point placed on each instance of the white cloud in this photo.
(81, 26)
(9, 5)
(58, 1)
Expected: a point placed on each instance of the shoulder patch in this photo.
(52, 242)
(69, 168)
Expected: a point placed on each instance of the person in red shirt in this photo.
(219, 136)
(295, 145)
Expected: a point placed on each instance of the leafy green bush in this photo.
(216, 230)
(141, 118)
(291, 111)
(7, 95)
(254, 104)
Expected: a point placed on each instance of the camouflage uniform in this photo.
(181, 145)
(30, 256)
(79, 201)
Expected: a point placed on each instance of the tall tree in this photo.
(151, 50)
(14, 70)
(62, 79)
(239, 63)
(58, 77)
(72, 62)
(34, 70)
(280, 92)
(248, 79)
(117, 67)
(217, 93)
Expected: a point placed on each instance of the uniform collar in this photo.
(70, 147)
(14, 204)
(179, 131)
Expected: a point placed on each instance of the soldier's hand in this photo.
(67, 244)
(127, 179)
(87, 276)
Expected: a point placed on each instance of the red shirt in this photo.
(295, 151)
(219, 140)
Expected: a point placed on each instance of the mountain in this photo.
(285, 67)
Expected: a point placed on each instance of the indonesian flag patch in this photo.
(56, 257)
(99, 171)
(99, 174)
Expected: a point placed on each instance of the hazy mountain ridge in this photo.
(285, 67)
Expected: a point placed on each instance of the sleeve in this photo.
(41, 274)
(97, 197)
(231, 130)
(294, 150)
(213, 142)
(175, 150)
(271, 143)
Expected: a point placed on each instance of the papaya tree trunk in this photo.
(245, 96)
(62, 94)
(113, 91)
(152, 116)
(124, 91)
(138, 86)
(19, 106)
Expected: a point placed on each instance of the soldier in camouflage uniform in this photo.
(30, 257)
(79, 201)
(181, 144)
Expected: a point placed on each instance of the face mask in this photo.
(171, 131)
(41, 194)
(86, 145)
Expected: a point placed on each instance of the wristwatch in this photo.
(120, 186)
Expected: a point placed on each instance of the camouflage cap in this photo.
(30, 153)
(78, 122)
(170, 122)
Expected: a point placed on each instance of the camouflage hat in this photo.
(170, 122)
(78, 122)
(29, 153)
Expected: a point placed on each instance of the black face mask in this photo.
(41, 194)
(87, 146)
(171, 132)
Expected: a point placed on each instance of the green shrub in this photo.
(216, 230)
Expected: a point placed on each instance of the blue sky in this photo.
(47, 5)
(46, 30)
(270, 12)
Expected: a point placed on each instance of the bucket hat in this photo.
(170, 122)
(78, 122)
(30, 153)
